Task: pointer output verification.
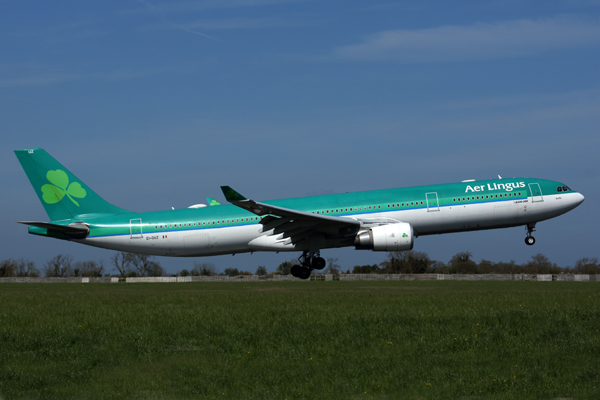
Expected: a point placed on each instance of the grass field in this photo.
(301, 340)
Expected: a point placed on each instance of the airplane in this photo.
(379, 220)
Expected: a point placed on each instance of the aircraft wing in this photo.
(294, 224)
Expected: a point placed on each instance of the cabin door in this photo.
(432, 202)
(536, 192)
(135, 228)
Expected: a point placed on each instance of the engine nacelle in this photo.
(391, 237)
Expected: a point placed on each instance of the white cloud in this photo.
(475, 42)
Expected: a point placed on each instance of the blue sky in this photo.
(156, 104)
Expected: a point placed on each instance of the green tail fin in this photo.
(61, 193)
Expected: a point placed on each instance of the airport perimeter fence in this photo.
(319, 277)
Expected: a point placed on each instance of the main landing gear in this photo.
(308, 262)
(530, 240)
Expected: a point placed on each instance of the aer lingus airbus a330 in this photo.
(380, 220)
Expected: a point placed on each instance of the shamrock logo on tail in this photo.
(60, 187)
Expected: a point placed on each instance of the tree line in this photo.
(123, 264)
(63, 266)
(416, 262)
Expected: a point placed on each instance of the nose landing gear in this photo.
(530, 240)
(308, 262)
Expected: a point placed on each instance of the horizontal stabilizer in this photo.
(76, 230)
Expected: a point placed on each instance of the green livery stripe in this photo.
(358, 203)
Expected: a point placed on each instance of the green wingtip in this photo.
(231, 195)
(212, 202)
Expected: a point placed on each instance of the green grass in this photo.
(305, 340)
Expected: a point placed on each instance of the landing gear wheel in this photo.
(318, 263)
(295, 271)
(530, 240)
(304, 273)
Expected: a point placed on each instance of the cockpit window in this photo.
(563, 189)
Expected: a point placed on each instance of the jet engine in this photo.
(390, 237)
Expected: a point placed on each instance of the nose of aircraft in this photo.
(579, 198)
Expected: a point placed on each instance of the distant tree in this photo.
(261, 270)
(26, 268)
(155, 270)
(122, 262)
(462, 263)
(91, 269)
(406, 262)
(332, 266)
(510, 267)
(245, 273)
(204, 269)
(231, 271)
(184, 272)
(486, 267)
(587, 266)
(285, 267)
(59, 266)
(366, 269)
(540, 264)
(439, 267)
(7, 268)
(143, 265)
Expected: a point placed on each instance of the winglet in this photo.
(212, 202)
(231, 195)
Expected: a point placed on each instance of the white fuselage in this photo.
(251, 237)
